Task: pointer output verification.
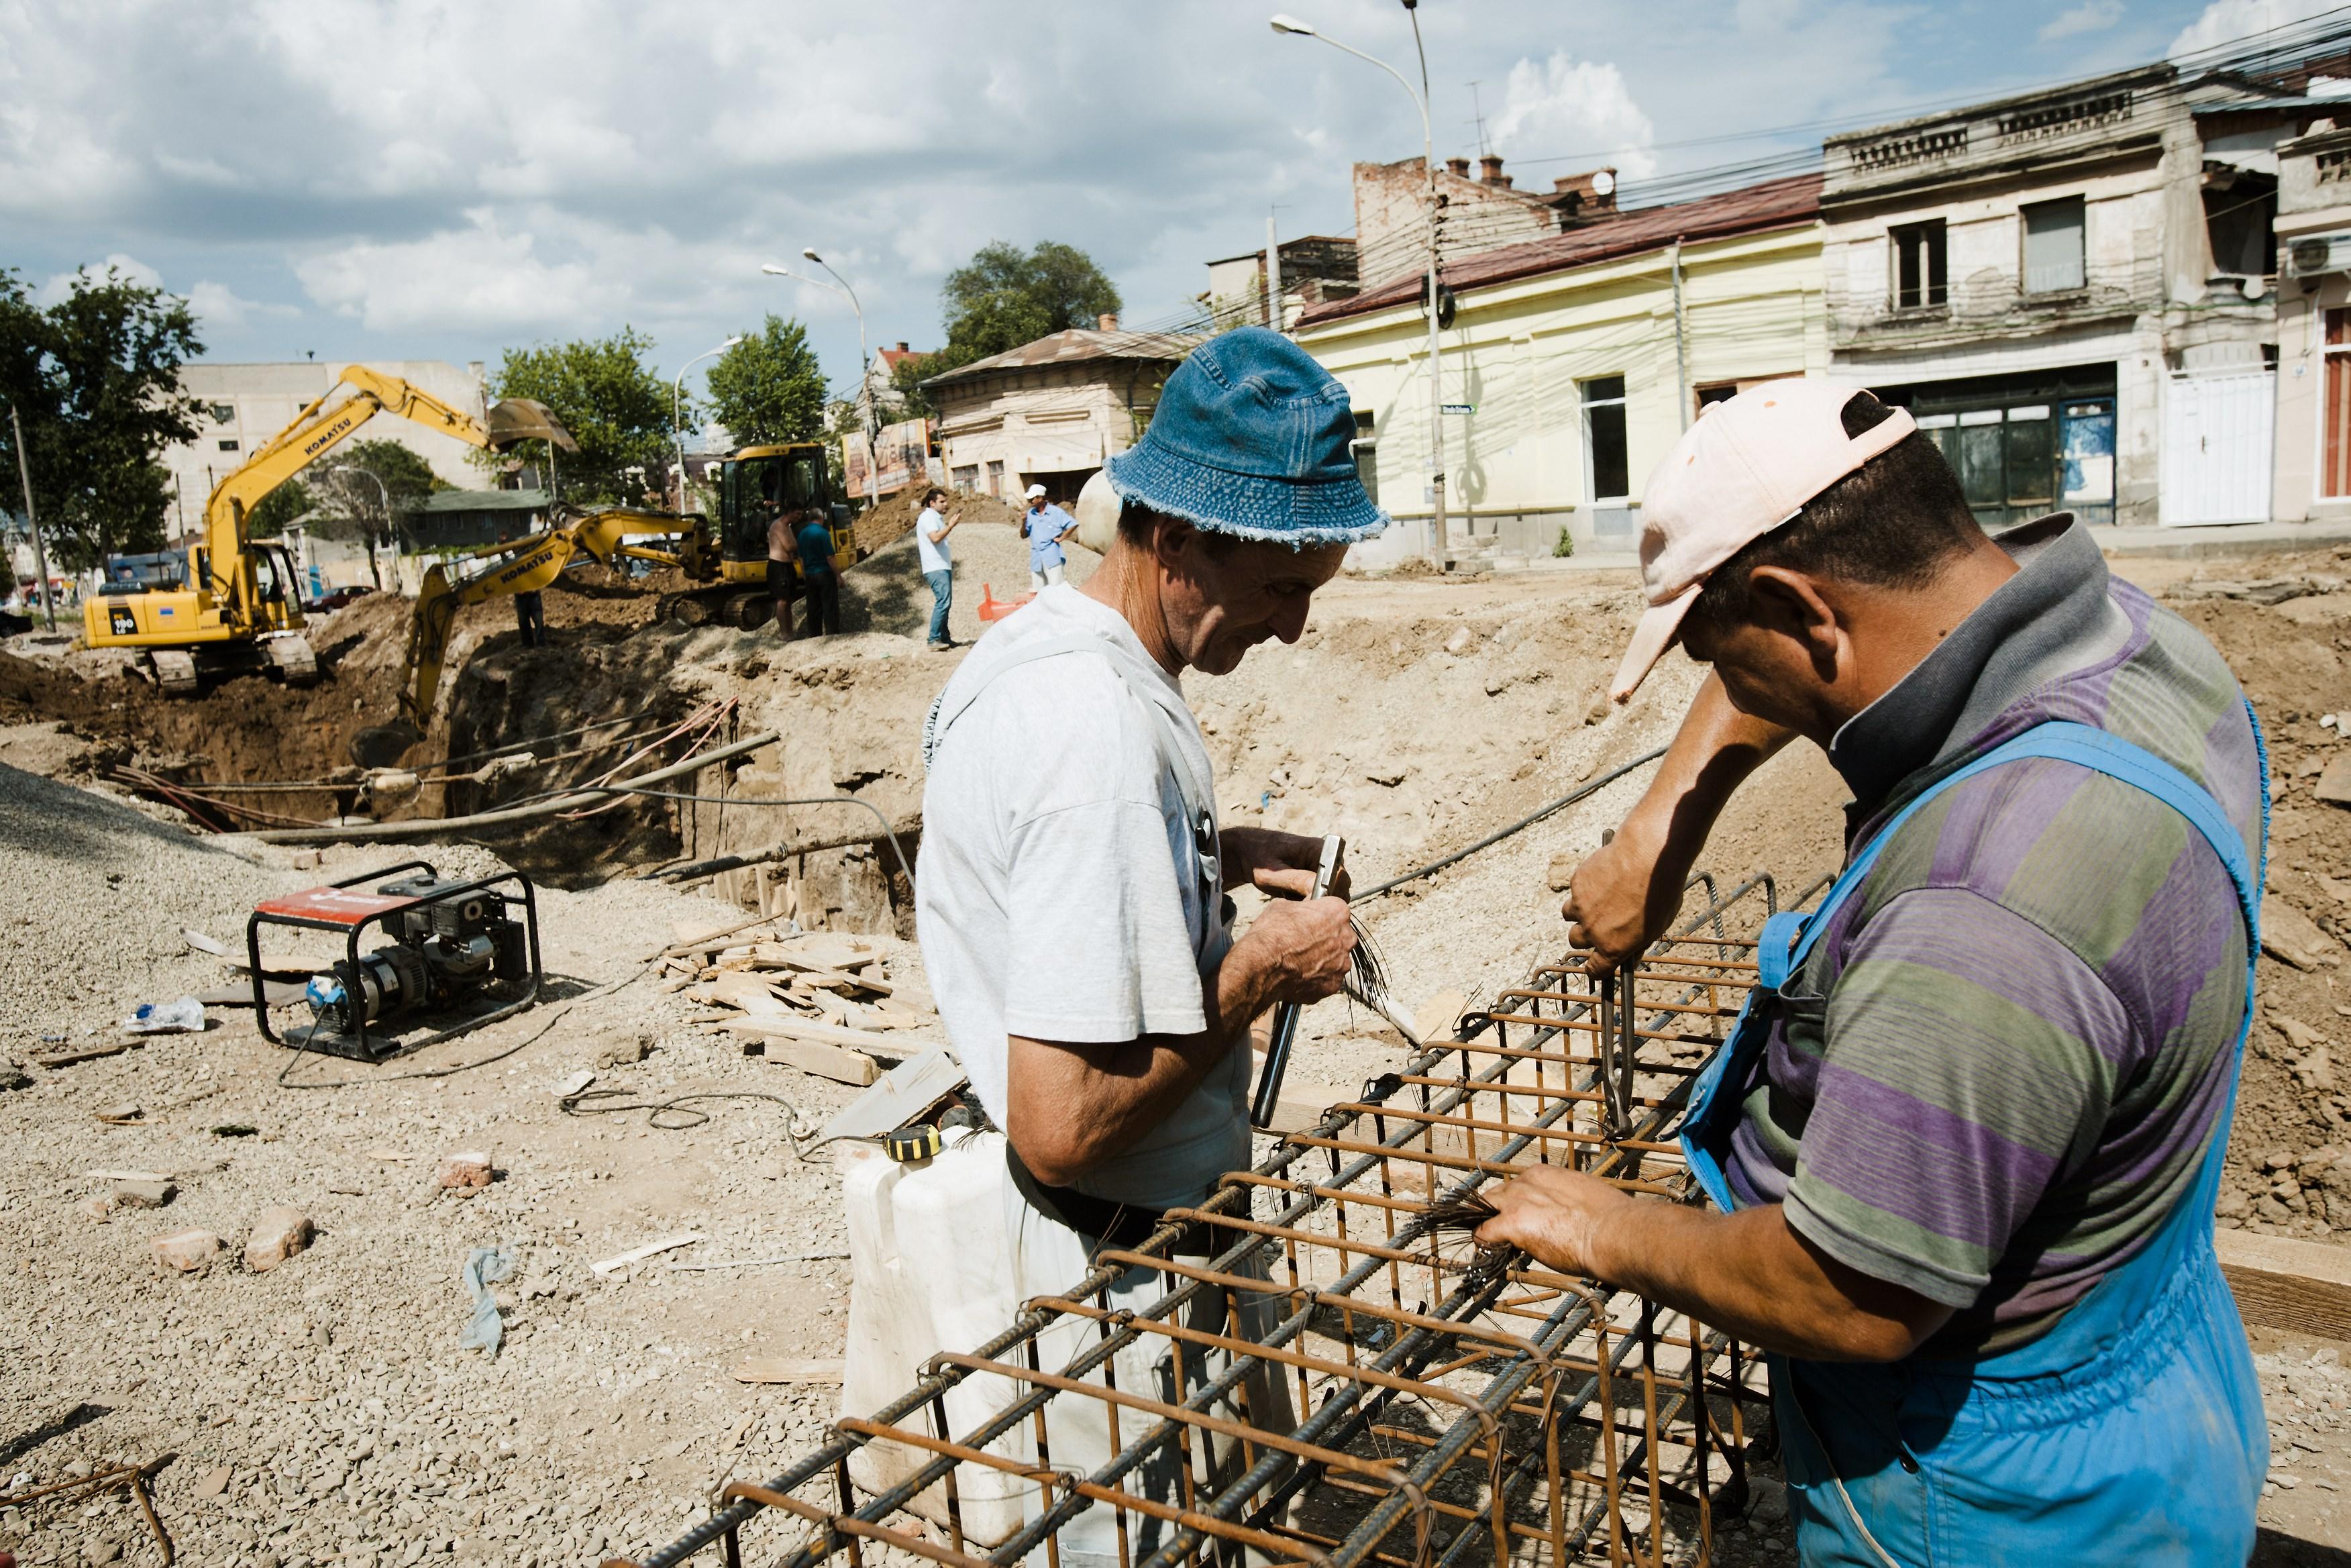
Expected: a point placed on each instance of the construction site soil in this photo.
(325, 1411)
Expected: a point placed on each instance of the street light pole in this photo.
(865, 380)
(864, 385)
(1438, 544)
(40, 555)
(677, 398)
(374, 575)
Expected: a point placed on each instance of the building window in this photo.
(2053, 245)
(229, 445)
(966, 477)
(1922, 266)
(1366, 450)
(1607, 466)
(1719, 391)
(996, 477)
(222, 412)
(2334, 476)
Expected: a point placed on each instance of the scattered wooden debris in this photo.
(787, 1369)
(638, 1254)
(820, 1001)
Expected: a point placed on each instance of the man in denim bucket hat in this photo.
(1070, 895)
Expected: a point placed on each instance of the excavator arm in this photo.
(318, 429)
(519, 566)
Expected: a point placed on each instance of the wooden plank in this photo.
(638, 1254)
(838, 1063)
(787, 1369)
(827, 1034)
(2283, 1283)
(87, 1053)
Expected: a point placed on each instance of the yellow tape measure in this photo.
(919, 1142)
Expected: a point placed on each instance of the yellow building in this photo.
(1573, 364)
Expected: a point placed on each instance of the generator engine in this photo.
(446, 949)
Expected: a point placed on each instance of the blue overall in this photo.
(2131, 1432)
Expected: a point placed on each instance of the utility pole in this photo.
(1292, 26)
(1273, 275)
(1440, 548)
(40, 555)
(1681, 331)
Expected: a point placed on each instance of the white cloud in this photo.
(2225, 21)
(218, 305)
(1565, 105)
(480, 278)
(131, 268)
(2089, 16)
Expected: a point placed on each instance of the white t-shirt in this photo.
(1060, 892)
(929, 545)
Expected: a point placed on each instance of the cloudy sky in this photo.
(427, 180)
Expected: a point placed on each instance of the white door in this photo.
(2217, 436)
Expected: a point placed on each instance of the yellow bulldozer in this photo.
(241, 611)
(725, 568)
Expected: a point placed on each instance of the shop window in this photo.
(1922, 266)
(1607, 464)
(2053, 246)
(2334, 475)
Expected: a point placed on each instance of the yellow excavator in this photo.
(242, 611)
(728, 571)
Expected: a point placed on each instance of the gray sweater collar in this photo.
(2054, 615)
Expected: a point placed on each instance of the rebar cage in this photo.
(1310, 1368)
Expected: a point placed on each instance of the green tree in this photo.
(614, 405)
(361, 482)
(768, 387)
(1004, 297)
(95, 379)
(288, 505)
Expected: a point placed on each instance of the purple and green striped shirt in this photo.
(1998, 1070)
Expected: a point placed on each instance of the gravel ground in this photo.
(323, 1412)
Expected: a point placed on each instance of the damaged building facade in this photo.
(1573, 362)
(2073, 291)
(1050, 412)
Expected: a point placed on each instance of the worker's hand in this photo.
(1303, 947)
(1623, 896)
(1553, 1215)
(1282, 864)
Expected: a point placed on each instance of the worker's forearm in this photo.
(1073, 1107)
(1716, 749)
(1751, 1276)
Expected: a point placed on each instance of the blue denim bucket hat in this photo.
(1251, 438)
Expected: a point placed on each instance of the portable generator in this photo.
(459, 955)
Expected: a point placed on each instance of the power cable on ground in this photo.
(598, 1103)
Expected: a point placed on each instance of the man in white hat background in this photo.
(1045, 526)
(1966, 1141)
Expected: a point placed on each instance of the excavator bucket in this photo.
(526, 419)
(383, 745)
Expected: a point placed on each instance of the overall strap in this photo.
(1788, 940)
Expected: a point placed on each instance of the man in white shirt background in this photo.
(931, 531)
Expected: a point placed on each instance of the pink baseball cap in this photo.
(1747, 465)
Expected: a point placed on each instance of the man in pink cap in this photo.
(1967, 1139)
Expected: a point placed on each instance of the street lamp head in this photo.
(732, 341)
(1283, 23)
(809, 252)
(773, 270)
